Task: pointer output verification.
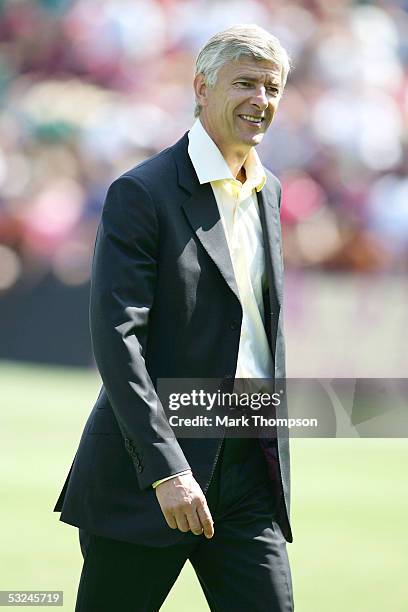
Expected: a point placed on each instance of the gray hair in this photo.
(242, 40)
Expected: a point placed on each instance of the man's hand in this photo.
(184, 505)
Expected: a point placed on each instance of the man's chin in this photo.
(255, 140)
(258, 139)
(248, 140)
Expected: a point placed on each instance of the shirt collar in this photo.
(211, 166)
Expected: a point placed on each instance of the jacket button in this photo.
(140, 468)
(234, 325)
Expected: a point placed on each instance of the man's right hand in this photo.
(184, 505)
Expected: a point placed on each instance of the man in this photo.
(187, 283)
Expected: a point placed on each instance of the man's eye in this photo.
(244, 83)
(272, 90)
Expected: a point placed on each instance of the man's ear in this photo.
(200, 89)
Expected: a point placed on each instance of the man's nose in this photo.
(260, 99)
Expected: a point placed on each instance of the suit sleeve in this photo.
(122, 294)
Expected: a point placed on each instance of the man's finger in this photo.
(170, 520)
(182, 522)
(194, 521)
(205, 519)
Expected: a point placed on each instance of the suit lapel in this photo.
(270, 221)
(202, 212)
(203, 215)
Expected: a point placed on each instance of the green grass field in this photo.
(349, 515)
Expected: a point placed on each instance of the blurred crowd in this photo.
(88, 88)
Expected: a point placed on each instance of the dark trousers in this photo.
(243, 567)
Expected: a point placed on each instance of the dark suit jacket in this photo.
(164, 304)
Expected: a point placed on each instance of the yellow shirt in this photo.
(238, 207)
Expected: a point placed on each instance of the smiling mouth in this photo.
(251, 119)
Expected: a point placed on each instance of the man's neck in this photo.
(236, 161)
(241, 176)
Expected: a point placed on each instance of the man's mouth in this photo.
(252, 119)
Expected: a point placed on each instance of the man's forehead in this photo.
(247, 66)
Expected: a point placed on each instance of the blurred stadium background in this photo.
(90, 87)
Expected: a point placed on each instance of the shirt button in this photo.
(234, 325)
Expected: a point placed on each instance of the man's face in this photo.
(238, 110)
